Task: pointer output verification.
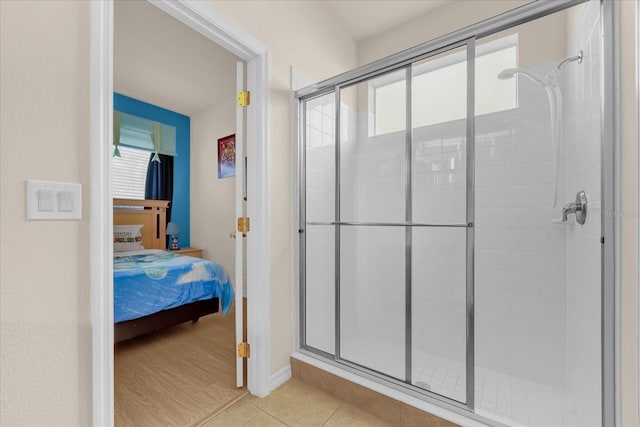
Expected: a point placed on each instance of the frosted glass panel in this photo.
(320, 158)
(320, 288)
(372, 150)
(438, 303)
(439, 95)
(372, 298)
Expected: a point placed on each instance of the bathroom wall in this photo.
(445, 19)
(583, 134)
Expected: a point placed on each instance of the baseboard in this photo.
(280, 377)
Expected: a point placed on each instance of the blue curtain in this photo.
(159, 185)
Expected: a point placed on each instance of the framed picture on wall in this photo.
(227, 156)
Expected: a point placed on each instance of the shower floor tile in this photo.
(521, 403)
(510, 400)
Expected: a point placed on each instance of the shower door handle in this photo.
(579, 208)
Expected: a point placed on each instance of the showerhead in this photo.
(546, 81)
(510, 72)
(507, 74)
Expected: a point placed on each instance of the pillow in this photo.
(127, 238)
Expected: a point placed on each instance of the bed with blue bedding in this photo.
(155, 289)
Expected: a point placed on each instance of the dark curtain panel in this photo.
(159, 184)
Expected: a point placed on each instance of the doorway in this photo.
(167, 73)
(205, 20)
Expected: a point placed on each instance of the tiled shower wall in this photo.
(520, 253)
(583, 164)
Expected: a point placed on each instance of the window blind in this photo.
(129, 173)
(136, 132)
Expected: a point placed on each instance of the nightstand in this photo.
(189, 251)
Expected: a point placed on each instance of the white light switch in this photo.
(45, 200)
(48, 200)
(65, 201)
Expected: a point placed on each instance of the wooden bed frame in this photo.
(153, 215)
(150, 213)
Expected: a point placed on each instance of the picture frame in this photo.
(227, 156)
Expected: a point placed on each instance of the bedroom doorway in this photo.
(173, 342)
(224, 33)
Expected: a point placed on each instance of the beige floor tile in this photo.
(238, 414)
(297, 404)
(348, 415)
(370, 401)
(264, 420)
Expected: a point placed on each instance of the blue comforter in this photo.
(146, 282)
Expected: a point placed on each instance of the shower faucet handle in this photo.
(579, 207)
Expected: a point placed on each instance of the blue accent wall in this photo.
(180, 212)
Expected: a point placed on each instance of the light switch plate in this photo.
(48, 200)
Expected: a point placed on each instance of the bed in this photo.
(154, 288)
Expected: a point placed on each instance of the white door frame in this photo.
(203, 18)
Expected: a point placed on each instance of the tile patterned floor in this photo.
(293, 404)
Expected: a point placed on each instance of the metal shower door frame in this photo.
(610, 153)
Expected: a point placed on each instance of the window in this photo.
(129, 173)
(438, 78)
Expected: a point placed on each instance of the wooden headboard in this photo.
(150, 213)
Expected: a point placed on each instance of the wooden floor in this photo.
(181, 376)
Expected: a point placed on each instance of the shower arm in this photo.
(578, 58)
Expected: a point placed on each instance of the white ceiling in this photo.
(152, 63)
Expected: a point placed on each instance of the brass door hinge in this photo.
(244, 349)
(244, 224)
(244, 98)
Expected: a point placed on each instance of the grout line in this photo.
(275, 418)
(222, 409)
(332, 414)
(269, 414)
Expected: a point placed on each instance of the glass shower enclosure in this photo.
(440, 251)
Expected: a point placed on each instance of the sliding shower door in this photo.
(453, 230)
(372, 255)
(387, 218)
